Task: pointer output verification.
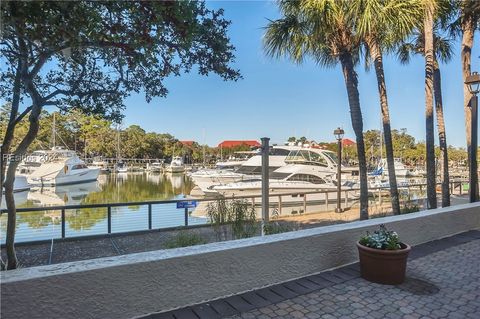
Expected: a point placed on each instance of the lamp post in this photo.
(339, 136)
(473, 83)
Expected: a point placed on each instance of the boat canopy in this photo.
(306, 157)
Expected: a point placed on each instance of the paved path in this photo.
(443, 282)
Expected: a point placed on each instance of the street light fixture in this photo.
(339, 136)
(473, 84)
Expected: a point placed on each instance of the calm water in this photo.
(112, 188)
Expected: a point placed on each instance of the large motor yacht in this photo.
(250, 169)
(37, 158)
(306, 170)
(62, 167)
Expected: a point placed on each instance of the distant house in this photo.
(187, 143)
(348, 142)
(230, 144)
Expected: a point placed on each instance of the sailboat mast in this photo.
(204, 147)
(118, 142)
(54, 132)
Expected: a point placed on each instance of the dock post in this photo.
(186, 216)
(63, 223)
(109, 219)
(280, 205)
(304, 203)
(149, 216)
(265, 181)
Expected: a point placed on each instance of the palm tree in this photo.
(324, 30)
(382, 24)
(465, 24)
(429, 53)
(443, 52)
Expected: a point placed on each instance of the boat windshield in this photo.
(332, 156)
(279, 152)
(306, 157)
(277, 175)
(307, 178)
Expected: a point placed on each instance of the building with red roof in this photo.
(229, 144)
(348, 142)
(187, 143)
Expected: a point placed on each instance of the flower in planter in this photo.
(381, 239)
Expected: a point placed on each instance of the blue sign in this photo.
(187, 204)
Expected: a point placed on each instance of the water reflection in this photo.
(113, 188)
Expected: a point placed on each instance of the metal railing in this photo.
(283, 200)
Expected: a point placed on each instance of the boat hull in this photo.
(81, 177)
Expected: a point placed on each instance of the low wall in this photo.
(136, 284)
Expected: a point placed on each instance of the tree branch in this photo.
(23, 114)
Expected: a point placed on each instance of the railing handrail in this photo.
(206, 199)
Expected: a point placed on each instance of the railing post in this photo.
(326, 200)
(304, 203)
(279, 205)
(346, 198)
(461, 188)
(186, 216)
(265, 181)
(109, 217)
(63, 223)
(149, 216)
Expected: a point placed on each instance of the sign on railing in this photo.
(187, 204)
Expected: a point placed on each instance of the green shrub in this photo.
(277, 228)
(184, 239)
(238, 214)
(411, 208)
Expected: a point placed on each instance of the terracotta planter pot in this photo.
(383, 266)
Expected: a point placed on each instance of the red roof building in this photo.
(348, 142)
(187, 143)
(228, 144)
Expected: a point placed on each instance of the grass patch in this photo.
(275, 227)
(184, 239)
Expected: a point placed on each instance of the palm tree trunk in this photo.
(442, 136)
(468, 30)
(376, 55)
(430, 140)
(466, 56)
(351, 83)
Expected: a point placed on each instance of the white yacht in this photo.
(62, 167)
(250, 169)
(236, 160)
(307, 170)
(401, 170)
(176, 165)
(20, 184)
(155, 167)
(37, 158)
(121, 167)
(100, 163)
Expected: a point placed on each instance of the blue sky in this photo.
(278, 99)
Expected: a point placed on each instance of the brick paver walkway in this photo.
(443, 281)
(445, 284)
